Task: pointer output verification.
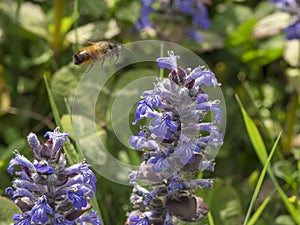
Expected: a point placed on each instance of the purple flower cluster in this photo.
(176, 145)
(48, 192)
(195, 9)
(292, 7)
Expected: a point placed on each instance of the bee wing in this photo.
(91, 42)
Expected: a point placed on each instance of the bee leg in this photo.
(117, 55)
(102, 62)
(90, 67)
(111, 56)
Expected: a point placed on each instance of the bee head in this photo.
(113, 45)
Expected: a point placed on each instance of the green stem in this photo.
(161, 71)
(298, 66)
(57, 40)
(290, 122)
(75, 17)
(15, 51)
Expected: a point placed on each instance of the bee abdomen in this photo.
(82, 57)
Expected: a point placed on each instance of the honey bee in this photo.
(96, 51)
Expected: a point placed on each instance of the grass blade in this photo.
(260, 180)
(210, 219)
(259, 211)
(52, 104)
(261, 152)
(71, 153)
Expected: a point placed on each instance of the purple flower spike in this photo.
(193, 15)
(143, 22)
(186, 6)
(200, 17)
(177, 141)
(46, 190)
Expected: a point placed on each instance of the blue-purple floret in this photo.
(61, 220)
(23, 219)
(194, 9)
(177, 141)
(48, 192)
(169, 63)
(292, 7)
(292, 31)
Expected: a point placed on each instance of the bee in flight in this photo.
(96, 51)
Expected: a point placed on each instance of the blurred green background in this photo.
(244, 47)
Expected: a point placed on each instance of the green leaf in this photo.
(30, 17)
(7, 210)
(291, 54)
(252, 180)
(271, 25)
(94, 31)
(18, 144)
(91, 144)
(66, 24)
(261, 57)
(123, 97)
(268, 51)
(45, 56)
(224, 203)
(67, 124)
(92, 7)
(293, 76)
(242, 34)
(283, 169)
(284, 220)
(129, 13)
(226, 21)
(211, 41)
(64, 83)
(263, 8)
(254, 135)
